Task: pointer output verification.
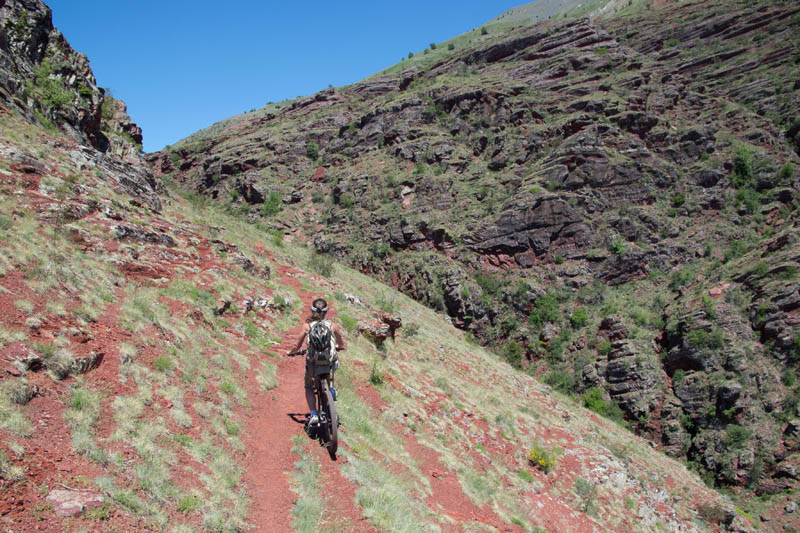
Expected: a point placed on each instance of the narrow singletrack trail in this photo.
(275, 417)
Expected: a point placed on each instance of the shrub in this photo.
(385, 302)
(742, 167)
(312, 150)
(433, 46)
(52, 92)
(748, 198)
(322, 264)
(677, 377)
(541, 458)
(603, 347)
(411, 329)
(579, 318)
(348, 322)
(736, 436)
(786, 173)
(680, 278)
(737, 249)
(545, 310)
(162, 363)
(375, 377)
(512, 352)
(451, 46)
(594, 401)
(678, 200)
(189, 504)
(618, 245)
(484, 31)
(586, 492)
(490, 284)
(347, 200)
(560, 380)
(272, 206)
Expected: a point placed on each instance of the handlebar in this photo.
(305, 351)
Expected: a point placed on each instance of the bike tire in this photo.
(333, 424)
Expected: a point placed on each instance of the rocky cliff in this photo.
(608, 201)
(49, 83)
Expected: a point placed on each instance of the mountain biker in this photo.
(319, 307)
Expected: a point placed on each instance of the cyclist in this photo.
(319, 307)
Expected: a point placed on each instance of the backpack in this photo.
(321, 346)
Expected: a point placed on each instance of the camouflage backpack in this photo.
(321, 346)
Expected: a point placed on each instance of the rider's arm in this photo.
(300, 340)
(338, 337)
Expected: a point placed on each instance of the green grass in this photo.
(12, 417)
(267, 377)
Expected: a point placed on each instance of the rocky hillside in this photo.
(142, 385)
(609, 202)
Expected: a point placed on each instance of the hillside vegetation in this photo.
(608, 202)
(586, 226)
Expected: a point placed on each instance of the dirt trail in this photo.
(268, 438)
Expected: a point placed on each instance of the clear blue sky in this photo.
(182, 65)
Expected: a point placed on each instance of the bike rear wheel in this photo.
(333, 424)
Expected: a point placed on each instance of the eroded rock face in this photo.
(556, 160)
(36, 57)
(532, 224)
(49, 83)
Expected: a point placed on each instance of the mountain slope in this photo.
(151, 396)
(142, 384)
(608, 202)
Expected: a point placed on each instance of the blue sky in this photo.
(182, 65)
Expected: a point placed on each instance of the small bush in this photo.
(786, 173)
(742, 167)
(737, 436)
(586, 492)
(451, 47)
(322, 264)
(484, 31)
(594, 401)
(348, 322)
(541, 458)
(312, 150)
(385, 302)
(618, 246)
(560, 380)
(162, 363)
(272, 206)
(545, 310)
(411, 329)
(678, 200)
(512, 352)
(375, 377)
(579, 318)
(189, 504)
(698, 338)
(603, 347)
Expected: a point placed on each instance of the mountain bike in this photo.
(327, 431)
